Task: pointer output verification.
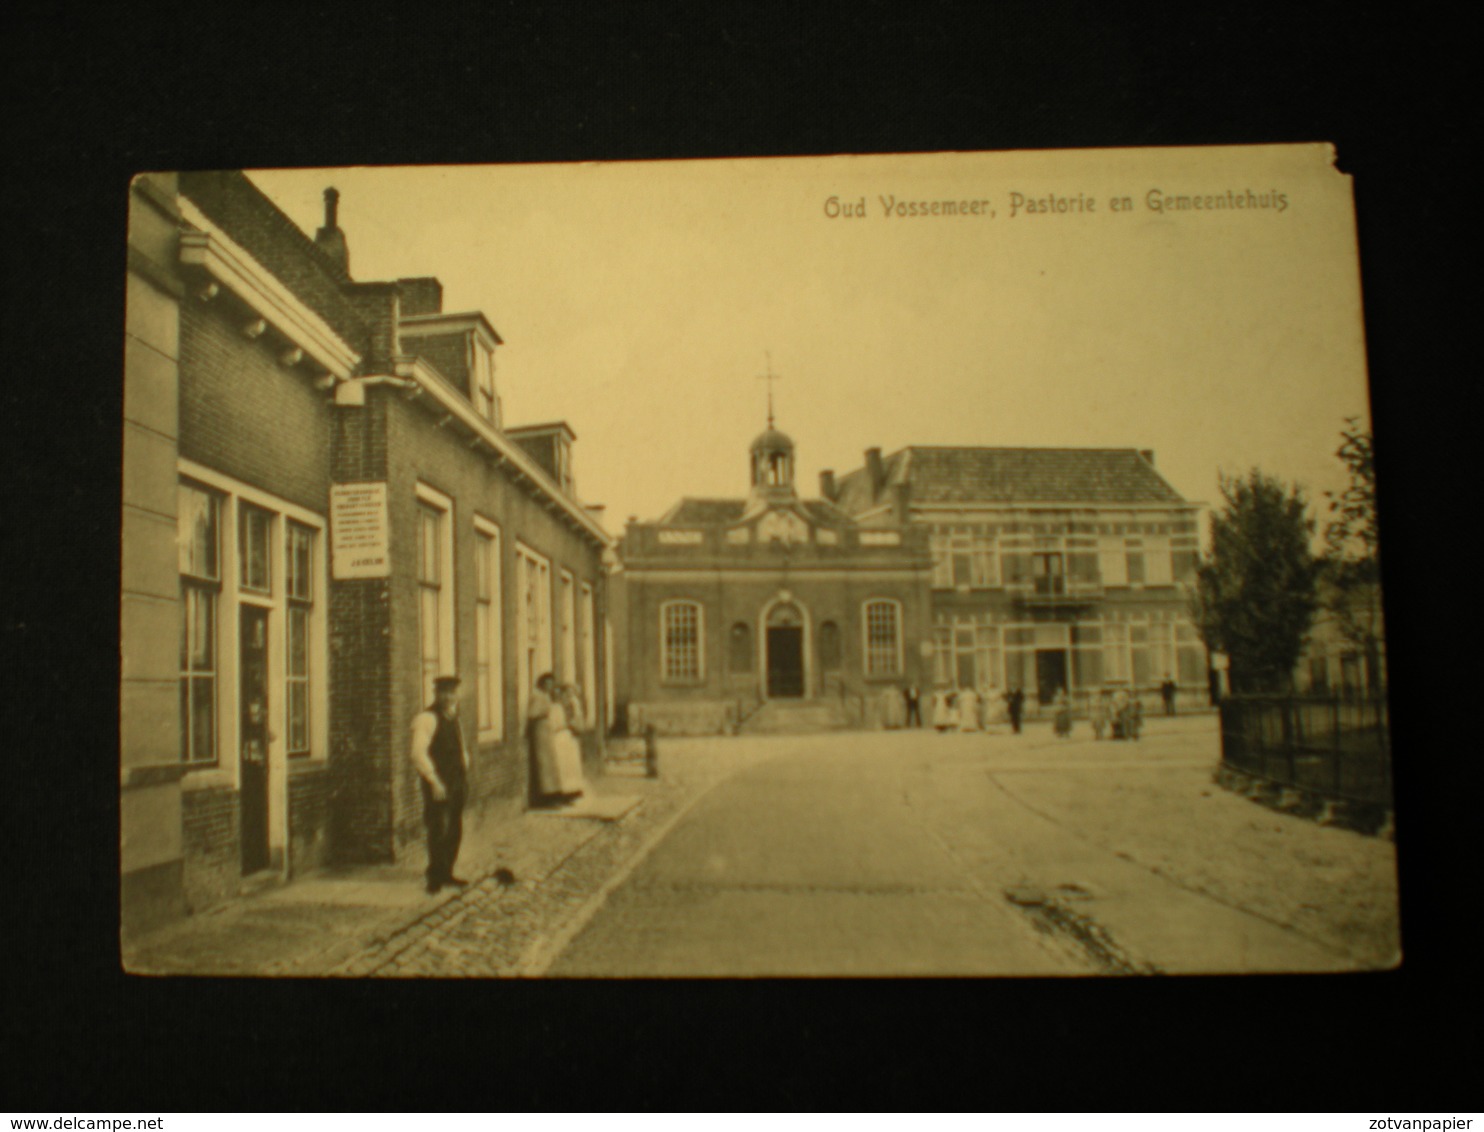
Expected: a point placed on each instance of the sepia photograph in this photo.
(937, 564)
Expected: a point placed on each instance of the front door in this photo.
(785, 660)
(1051, 673)
(253, 738)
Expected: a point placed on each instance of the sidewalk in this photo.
(379, 920)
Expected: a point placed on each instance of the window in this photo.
(1047, 569)
(434, 587)
(568, 629)
(254, 549)
(1113, 563)
(1134, 558)
(883, 638)
(1115, 651)
(488, 690)
(588, 626)
(484, 383)
(964, 557)
(533, 619)
(1157, 562)
(198, 540)
(299, 571)
(680, 640)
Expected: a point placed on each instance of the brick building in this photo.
(322, 511)
(1051, 567)
(730, 605)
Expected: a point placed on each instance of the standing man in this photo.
(914, 705)
(442, 761)
(1167, 691)
(1015, 703)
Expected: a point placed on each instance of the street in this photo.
(871, 853)
(914, 853)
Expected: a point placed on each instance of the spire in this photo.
(770, 377)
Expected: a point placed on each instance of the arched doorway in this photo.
(783, 657)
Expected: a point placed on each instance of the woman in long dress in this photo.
(566, 718)
(968, 709)
(543, 748)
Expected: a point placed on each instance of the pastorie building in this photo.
(323, 510)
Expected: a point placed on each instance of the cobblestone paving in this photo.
(489, 930)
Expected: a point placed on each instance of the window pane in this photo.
(298, 659)
(300, 562)
(201, 622)
(298, 708)
(253, 548)
(203, 718)
(196, 533)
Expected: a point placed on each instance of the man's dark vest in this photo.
(446, 750)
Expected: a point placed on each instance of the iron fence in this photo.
(1338, 747)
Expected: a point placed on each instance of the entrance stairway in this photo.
(795, 717)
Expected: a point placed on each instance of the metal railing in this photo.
(1327, 745)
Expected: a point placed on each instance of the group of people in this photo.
(441, 758)
(1111, 711)
(1116, 711)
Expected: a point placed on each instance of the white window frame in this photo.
(489, 673)
(567, 624)
(872, 654)
(533, 574)
(667, 674)
(587, 625)
(225, 772)
(434, 500)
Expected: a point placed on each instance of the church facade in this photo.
(725, 606)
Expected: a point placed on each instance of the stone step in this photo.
(783, 717)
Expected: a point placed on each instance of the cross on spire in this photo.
(770, 377)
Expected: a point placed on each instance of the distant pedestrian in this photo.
(1097, 713)
(1135, 717)
(942, 710)
(1015, 705)
(442, 761)
(1120, 714)
(912, 695)
(1167, 693)
(1061, 720)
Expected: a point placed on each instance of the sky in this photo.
(640, 302)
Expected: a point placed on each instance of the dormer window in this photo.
(483, 384)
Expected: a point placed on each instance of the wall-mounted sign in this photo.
(359, 541)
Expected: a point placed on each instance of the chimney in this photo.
(827, 484)
(421, 296)
(330, 239)
(901, 503)
(1148, 456)
(876, 470)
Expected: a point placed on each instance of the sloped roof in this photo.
(704, 512)
(723, 512)
(1014, 475)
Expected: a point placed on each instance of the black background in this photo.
(93, 96)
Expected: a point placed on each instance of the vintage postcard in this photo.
(895, 565)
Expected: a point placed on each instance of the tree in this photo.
(1352, 558)
(1257, 592)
